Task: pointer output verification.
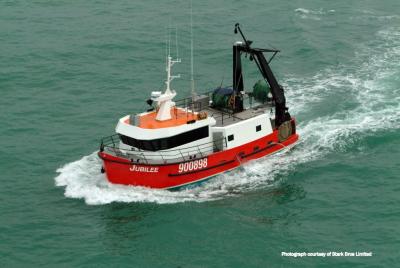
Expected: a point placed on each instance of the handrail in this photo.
(163, 156)
(107, 144)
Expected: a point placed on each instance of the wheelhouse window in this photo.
(167, 143)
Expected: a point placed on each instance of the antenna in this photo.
(164, 101)
(169, 41)
(191, 53)
(176, 41)
(166, 48)
(170, 61)
(222, 81)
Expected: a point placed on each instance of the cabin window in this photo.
(231, 138)
(258, 128)
(167, 143)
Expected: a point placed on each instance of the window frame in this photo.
(167, 142)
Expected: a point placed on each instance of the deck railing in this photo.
(220, 113)
(111, 145)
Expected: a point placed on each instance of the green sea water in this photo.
(70, 69)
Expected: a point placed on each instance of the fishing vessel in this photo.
(178, 143)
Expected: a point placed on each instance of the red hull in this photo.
(122, 171)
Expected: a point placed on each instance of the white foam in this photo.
(371, 15)
(312, 14)
(302, 10)
(376, 108)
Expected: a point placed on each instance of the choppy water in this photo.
(69, 70)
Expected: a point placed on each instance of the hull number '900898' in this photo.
(193, 165)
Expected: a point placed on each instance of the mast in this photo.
(164, 100)
(170, 77)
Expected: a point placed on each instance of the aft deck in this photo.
(226, 119)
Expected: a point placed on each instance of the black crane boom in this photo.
(257, 54)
